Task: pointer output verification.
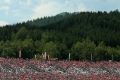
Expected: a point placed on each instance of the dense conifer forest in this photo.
(82, 34)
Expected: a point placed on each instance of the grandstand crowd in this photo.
(20, 69)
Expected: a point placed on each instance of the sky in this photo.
(13, 11)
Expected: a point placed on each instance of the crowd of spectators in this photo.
(20, 69)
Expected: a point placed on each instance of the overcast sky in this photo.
(13, 11)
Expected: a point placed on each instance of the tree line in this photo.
(83, 35)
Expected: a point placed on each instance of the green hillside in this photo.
(81, 34)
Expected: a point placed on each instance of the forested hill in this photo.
(78, 33)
